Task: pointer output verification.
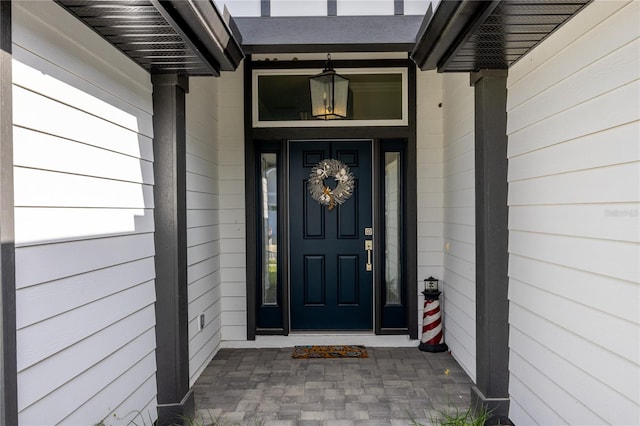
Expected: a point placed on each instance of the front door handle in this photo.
(368, 246)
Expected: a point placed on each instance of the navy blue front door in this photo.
(331, 286)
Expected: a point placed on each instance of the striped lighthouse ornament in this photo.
(432, 333)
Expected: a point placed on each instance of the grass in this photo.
(456, 417)
(187, 421)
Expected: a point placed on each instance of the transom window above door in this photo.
(377, 97)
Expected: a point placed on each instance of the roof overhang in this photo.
(469, 35)
(191, 37)
(186, 37)
(329, 34)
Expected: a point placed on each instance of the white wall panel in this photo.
(203, 236)
(46, 152)
(56, 261)
(232, 172)
(198, 218)
(534, 406)
(40, 113)
(38, 188)
(85, 355)
(138, 373)
(365, 7)
(619, 299)
(117, 373)
(613, 258)
(599, 221)
(74, 49)
(605, 148)
(416, 7)
(574, 197)
(581, 120)
(429, 185)
(240, 7)
(578, 187)
(53, 298)
(198, 165)
(232, 207)
(202, 252)
(544, 388)
(199, 183)
(460, 329)
(578, 350)
(232, 289)
(37, 225)
(252, 8)
(571, 393)
(202, 286)
(298, 8)
(586, 84)
(562, 60)
(44, 339)
(202, 200)
(84, 224)
(129, 407)
(587, 322)
(38, 75)
(459, 219)
(233, 202)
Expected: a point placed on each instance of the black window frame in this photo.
(270, 319)
(394, 318)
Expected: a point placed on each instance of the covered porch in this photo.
(137, 239)
(393, 386)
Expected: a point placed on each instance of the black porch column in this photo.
(492, 305)
(8, 369)
(175, 399)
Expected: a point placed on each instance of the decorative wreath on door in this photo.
(324, 194)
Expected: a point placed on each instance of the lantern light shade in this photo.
(329, 94)
(431, 284)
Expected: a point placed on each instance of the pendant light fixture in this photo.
(329, 93)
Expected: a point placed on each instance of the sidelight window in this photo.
(269, 220)
(392, 228)
(392, 210)
(268, 272)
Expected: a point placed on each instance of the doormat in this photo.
(332, 351)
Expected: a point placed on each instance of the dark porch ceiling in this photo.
(472, 35)
(190, 37)
(179, 36)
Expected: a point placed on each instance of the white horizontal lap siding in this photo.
(85, 271)
(233, 272)
(232, 226)
(459, 220)
(203, 233)
(574, 202)
(429, 185)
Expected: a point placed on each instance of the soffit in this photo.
(468, 36)
(183, 37)
(189, 37)
(326, 34)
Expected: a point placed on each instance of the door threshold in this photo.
(331, 333)
(323, 338)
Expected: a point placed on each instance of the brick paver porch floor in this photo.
(267, 387)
